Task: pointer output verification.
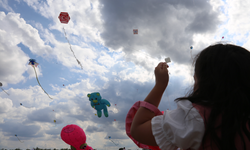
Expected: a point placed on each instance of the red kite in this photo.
(64, 17)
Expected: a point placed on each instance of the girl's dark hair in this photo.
(223, 83)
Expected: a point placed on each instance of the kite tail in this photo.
(40, 84)
(72, 50)
(5, 91)
(19, 139)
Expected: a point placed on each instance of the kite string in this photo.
(4, 91)
(71, 49)
(40, 84)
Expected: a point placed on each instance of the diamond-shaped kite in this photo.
(135, 31)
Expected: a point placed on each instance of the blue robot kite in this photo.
(98, 103)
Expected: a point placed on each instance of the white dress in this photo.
(182, 127)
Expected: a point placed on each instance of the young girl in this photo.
(214, 115)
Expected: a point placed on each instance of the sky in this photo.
(116, 63)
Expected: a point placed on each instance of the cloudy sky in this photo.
(117, 63)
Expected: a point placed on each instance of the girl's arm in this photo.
(141, 129)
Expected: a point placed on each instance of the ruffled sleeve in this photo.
(182, 127)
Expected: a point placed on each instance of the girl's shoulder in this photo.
(204, 111)
(182, 127)
(191, 110)
(187, 105)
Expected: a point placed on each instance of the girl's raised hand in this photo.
(161, 75)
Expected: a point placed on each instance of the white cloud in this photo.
(85, 23)
(63, 79)
(106, 60)
(4, 4)
(237, 25)
(13, 60)
(6, 105)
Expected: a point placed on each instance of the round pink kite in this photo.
(75, 136)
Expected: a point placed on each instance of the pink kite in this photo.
(75, 137)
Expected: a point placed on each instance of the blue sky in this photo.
(116, 63)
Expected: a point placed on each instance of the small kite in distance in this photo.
(135, 31)
(34, 64)
(64, 18)
(112, 141)
(191, 47)
(55, 122)
(2, 88)
(18, 139)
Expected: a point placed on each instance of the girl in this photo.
(214, 115)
